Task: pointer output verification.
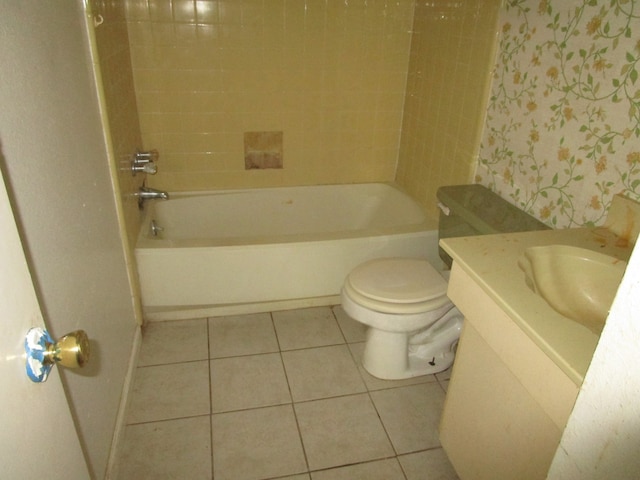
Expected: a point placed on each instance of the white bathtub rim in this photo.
(145, 243)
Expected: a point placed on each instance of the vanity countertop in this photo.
(492, 261)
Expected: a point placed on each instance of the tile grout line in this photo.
(210, 398)
(369, 390)
(172, 419)
(293, 406)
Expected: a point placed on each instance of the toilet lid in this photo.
(398, 280)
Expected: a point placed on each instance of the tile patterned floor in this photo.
(278, 395)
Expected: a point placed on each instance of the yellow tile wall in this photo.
(452, 47)
(117, 86)
(330, 74)
(114, 78)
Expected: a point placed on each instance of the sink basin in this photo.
(576, 282)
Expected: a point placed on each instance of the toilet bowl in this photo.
(413, 328)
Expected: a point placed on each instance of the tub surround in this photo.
(452, 48)
(206, 72)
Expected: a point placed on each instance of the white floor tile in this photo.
(305, 328)
(170, 391)
(240, 403)
(248, 382)
(173, 342)
(353, 331)
(242, 335)
(323, 372)
(444, 376)
(256, 444)
(411, 415)
(341, 431)
(388, 469)
(433, 463)
(170, 449)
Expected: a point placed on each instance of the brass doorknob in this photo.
(72, 351)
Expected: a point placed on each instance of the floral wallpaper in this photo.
(562, 132)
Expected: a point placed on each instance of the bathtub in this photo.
(246, 251)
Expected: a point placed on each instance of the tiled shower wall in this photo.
(120, 116)
(452, 47)
(120, 102)
(331, 75)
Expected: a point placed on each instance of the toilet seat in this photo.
(397, 285)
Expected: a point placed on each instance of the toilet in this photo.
(413, 328)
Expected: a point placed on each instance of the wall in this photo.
(330, 75)
(452, 48)
(563, 121)
(58, 175)
(602, 436)
(121, 114)
(112, 62)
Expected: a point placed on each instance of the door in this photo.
(37, 435)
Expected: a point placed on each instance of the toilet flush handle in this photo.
(446, 210)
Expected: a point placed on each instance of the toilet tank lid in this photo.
(486, 211)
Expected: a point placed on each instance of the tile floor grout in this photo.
(209, 373)
(348, 344)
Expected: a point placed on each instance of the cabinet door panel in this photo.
(491, 426)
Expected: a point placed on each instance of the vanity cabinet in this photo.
(507, 402)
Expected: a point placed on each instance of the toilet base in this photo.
(396, 355)
(392, 366)
(431, 361)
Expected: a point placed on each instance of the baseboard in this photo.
(159, 314)
(118, 432)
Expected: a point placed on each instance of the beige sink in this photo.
(576, 282)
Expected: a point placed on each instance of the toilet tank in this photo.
(475, 210)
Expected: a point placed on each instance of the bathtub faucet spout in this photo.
(148, 193)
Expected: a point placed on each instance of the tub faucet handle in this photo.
(143, 157)
(145, 162)
(147, 167)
